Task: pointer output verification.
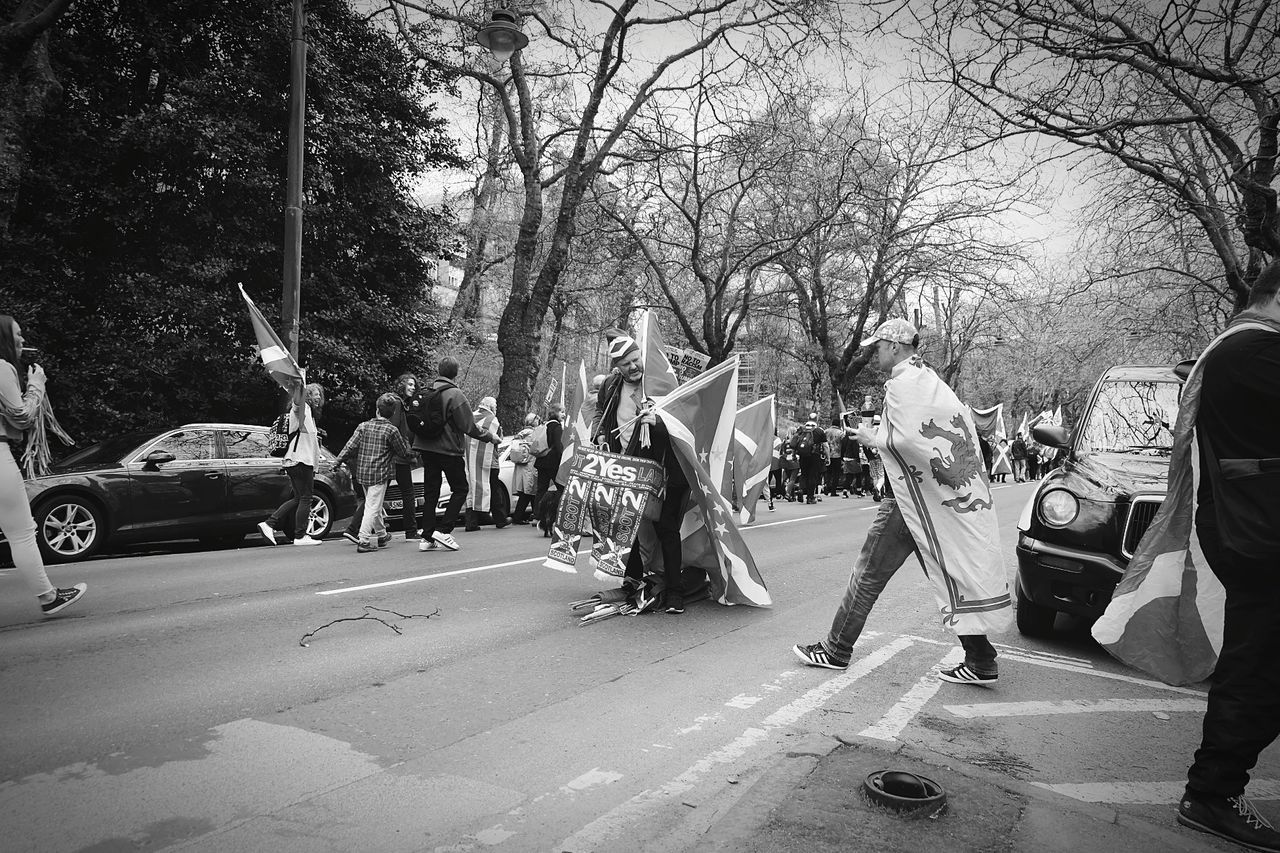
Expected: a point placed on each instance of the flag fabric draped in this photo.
(990, 422)
(699, 417)
(659, 376)
(752, 451)
(275, 356)
(479, 459)
(929, 446)
(575, 424)
(1166, 614)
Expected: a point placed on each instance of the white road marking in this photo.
(747, 527)
(1038, 653)
(1159, 685)
(742, 701)
(616, 822)
(1075, 706)
(594, 776)
(897, 717)
(399, 581)
(1149, 793)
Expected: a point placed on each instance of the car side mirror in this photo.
(156, 458)
(1052, 436)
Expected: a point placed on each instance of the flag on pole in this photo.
(1056, 420)
(275, 356)
(699, 417)
(659, 376)
(1166, 615)
(1023, 430)
(564, 378)
(752, 452)
(575, 425)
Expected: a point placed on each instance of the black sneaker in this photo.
(964, 674)
(816, 655)
(1232, 818)
(63, 598)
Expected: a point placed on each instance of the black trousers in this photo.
(667, 528)
(298, 508)
(453, 469)
(1243, 717)
(979, 653)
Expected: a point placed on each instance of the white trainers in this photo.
(306, 540)
(268, 532)
(428, 545)
(446, 540)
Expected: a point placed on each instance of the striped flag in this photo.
(1165, 617)
(275, 357)
(699, 417)
(479, 459)
(575, 425)
(752, 451)
(659, 376)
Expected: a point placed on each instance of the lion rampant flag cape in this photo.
(930, 450)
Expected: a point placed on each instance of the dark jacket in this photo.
(458, 423)
(604, 430)
(401, 422)
(550, 462)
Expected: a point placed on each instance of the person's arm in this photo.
(465, 421)
(17, 408)
(398, 444)
(352, 447)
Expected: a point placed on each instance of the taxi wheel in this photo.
(1034, 620)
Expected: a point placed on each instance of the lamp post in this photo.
(293, 180)
(502, 35)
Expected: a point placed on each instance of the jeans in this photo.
(1243, 716)
(408, 514)
(1019, 470)
(888, 545)
(371, 525)
(302, 478)
(18, 525)
(455, 471)
(667, 528)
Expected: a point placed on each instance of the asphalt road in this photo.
(176, 706)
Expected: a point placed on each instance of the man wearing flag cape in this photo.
(937, 505)
(1218, 530)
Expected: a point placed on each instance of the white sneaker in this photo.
(428, 545)
(446, 540)
(268, 532)
(306, 540)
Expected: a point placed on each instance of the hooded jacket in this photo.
(458, 420)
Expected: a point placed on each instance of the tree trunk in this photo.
(466, 308)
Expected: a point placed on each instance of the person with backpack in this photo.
(808, 443)
(547, 446)
(300, 458)
(524, 479)
(790, 467)
(441, 419)
(482, 471)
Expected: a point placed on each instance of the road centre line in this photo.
(399, 581)
(747, 527)
(1018, 650)
(1148, 793)
(1159, 685)
(617, 822)
(897, 717)
(1075, 706)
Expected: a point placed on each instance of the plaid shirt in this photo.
(375, 445)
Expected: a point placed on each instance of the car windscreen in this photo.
(1131, 417)
(107, 452)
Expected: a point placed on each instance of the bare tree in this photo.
(1183, 94)
(28, 87)
(567, 105)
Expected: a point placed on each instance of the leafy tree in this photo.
(159, 185)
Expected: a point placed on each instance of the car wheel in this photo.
(320, 522)
(1034, 620)
(69, 528)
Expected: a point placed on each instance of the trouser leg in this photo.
(431, 474)
(1243, 714)
(979, 654)
(371, 525)
(887, 547)
(408, 513)
(455, 471)
(19, 527)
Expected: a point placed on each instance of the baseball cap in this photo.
(897, 330)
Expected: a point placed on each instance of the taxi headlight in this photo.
(1059, 508)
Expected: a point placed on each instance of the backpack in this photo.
(279, 438)
(427, 417)
(539, 446)
(804, 444)
(519, 453)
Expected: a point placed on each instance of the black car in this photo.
(1078, 532)
(212, 482)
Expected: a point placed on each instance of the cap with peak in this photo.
(897, 330)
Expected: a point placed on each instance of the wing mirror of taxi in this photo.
(156, 458)
(1052, 436)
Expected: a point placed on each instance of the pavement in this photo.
(811, 800)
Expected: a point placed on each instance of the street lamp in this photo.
(502, 35)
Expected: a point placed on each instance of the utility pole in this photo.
(293, 190)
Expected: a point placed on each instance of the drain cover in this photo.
(908, 794)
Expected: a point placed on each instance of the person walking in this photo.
(1018, 453)
(481, 463)
(441, 419)
(300, 464)
(1233, 394)
(406, 390)
(524, 479)
(375, 446)
(944, 517)
(808, 443)
(19, 411)
(835, 468)
(1002, 463)
(851, 463)
(547, 462)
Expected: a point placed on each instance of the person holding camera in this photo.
(19, 411)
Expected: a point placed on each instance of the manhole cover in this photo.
(908, 794)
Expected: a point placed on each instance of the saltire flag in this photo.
(479, 459)
(1023, 429)
(575, 425)
(752, 454)
(659, 376)
(699, 417)
(1056, 420)
(1165, 617)
(989, 422)
(275, 356)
